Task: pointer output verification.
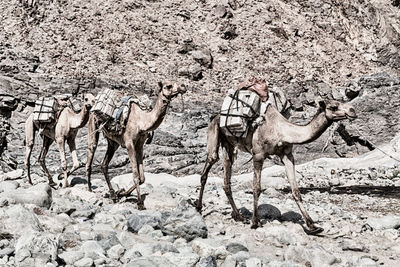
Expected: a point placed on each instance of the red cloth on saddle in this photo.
(256, 85)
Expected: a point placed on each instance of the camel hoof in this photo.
(255, 225)
(141, 206)
(314, 230)
(238, 217)
(121, 193)
(198, 205)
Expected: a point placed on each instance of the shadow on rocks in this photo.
(268, 213)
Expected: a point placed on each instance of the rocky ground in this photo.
(343, 50)
(349, 198)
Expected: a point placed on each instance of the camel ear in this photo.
(322, 104)
(160, 84)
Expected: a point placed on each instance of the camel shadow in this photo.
(77, 180)
(376, 191)
(269, 213)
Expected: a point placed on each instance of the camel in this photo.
(64, 129)
(139, 124)
(275, 136)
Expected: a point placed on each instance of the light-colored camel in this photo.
(276, 136)
(64, 129)
(139, 124)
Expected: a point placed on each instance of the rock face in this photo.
(212, 46)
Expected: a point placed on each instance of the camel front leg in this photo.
(111, 148)
(29, 143)
(213, 143)
(288, 160)
(75, 160)
(139, 158)
(93, 140)
(42, 157)
(258, 161)
(61, 148)
(135, 172)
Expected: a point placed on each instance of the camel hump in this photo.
(256, 85)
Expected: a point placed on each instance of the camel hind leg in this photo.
(93, 140)
(213, 143)
(47, 141)
(111, 148)
(228, 162)
(29, 143)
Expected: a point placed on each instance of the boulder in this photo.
(70, 257)
(42, 247)
(207, 262)
(184, 222)
(140, 218)
(40, 195)
(386, 222)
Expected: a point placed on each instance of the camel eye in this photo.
(169, 86)
(86, 99)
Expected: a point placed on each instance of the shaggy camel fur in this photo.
(276, 136)
(65, 129)
(138, 125)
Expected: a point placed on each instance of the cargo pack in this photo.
(239, 108)
(45, 109)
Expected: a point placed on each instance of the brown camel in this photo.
(276, 136)
(64, 129)
(139, 124)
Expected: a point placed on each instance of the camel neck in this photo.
(156, 116)
(79, 119)
(302, 134)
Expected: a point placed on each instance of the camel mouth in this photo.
(351, 116)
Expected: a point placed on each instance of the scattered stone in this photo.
(42, 247)
(386, 222)
(253, 262)
(8, 186)
(116, 252)
(13, 175)
(138, 219)
(207, 262)
(203, 57)
(40, 195)
(220, 11)
(204, 249)
(182, 259)
(70, 257)
(92, 249)
(314, 254)
(235, 247)
(193, 72)
(184, 222)
(85, 262)
(229, 261)
(353, 246)
(6, 252)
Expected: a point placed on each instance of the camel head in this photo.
(336, 111)
(171, 89)
(88, 100)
